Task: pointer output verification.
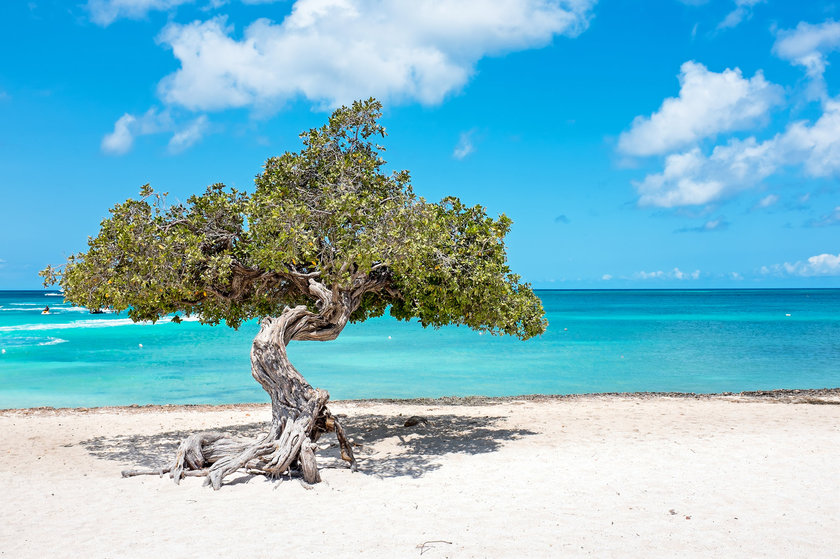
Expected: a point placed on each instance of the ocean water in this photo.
(597, 341)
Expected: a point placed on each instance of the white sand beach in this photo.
(603, 476)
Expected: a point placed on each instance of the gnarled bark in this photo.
(299, 414)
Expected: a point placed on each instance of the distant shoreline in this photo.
(830, 396)
(578, 289)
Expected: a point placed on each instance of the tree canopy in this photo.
(323, 224)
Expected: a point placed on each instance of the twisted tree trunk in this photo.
(299, 414)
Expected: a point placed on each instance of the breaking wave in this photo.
(90, 323)
(78, 324)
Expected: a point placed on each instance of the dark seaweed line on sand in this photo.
(795, 396)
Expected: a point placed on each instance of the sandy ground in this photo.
(604, 476)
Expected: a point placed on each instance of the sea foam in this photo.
(77, 324)
(29, 341)
(53, 341)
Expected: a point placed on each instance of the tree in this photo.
(326, 238)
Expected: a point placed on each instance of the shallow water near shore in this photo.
(597, 341)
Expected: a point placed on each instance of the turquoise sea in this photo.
(597, 341)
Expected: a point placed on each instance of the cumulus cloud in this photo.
(676, 273)
(128, 127)
(122, 138)
(465, 145)
(819, 265)
(808, 46)
(693, 178)
(709, 103)
(334, 51)
(105, 12)
(742, 11)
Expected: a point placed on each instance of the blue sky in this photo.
(655, 144)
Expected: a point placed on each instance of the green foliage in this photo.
(327, 214)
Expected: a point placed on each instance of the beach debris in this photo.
(415, 420)
(427, 545)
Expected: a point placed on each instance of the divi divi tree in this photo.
(326, 238)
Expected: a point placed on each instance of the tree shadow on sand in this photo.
(158, 449)
(416, 450)
(384, 447)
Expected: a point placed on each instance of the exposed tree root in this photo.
(215, 456)
(299, 411)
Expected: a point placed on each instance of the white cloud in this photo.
(105, 12)
(708, 103)
(189, 135)
(128, 127)
(832, 218)
(680, 275)
(676, 273)
(742, 11)
(823, 265)
(692, 178)
(465, 145)
(334, 51)
(768, 201)
(606, 277)
(819, 265)
(122, 138)
(808, 46)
